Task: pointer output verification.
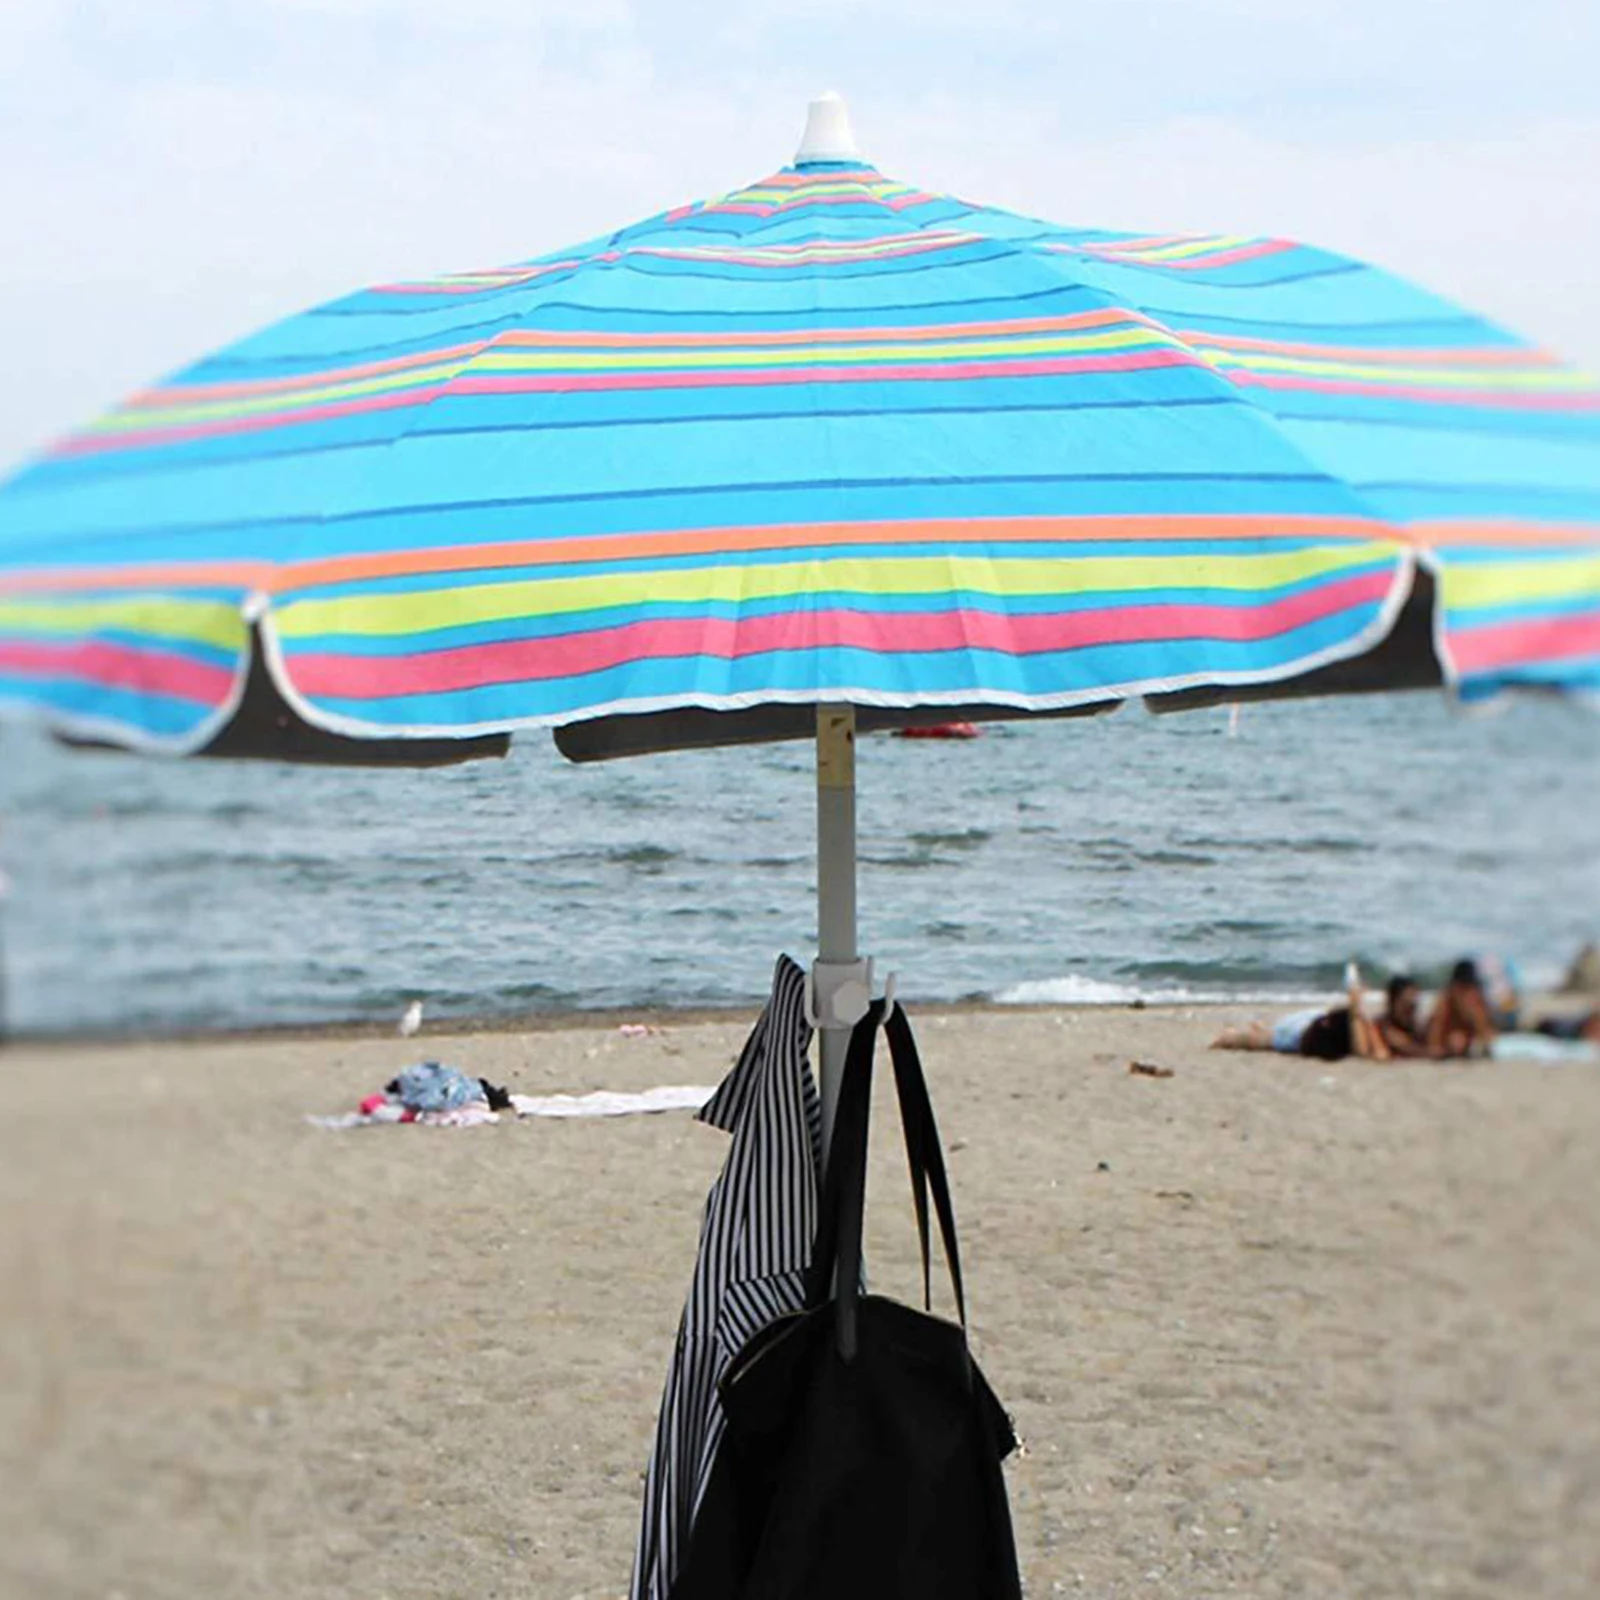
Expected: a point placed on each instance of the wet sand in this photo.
(1268, 1327)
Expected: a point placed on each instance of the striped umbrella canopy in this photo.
(830, 437)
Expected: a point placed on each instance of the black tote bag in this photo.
(862, 1454)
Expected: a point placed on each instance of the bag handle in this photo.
(926, 1160)
(836, 1255)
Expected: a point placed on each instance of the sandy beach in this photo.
(1268, 1327)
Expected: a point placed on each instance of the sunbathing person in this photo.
(1583, 1028)
(1324, 1036)
(1461, 1025)
(1401, 1022)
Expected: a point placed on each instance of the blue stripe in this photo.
(1476, 427)
(1580, 676)
(141, 712)
(1439, 328)
(1475, 555)
(1417, 502)
(1435, 457)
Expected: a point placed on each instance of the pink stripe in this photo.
(532, 660)
(1521, 643)
(1580, 401)
(118, 666)
(806, 180)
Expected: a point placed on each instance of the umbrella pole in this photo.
(840, 981)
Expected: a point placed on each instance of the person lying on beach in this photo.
(1401, 1022)
(1461, 1025)
(1585, 1027)
(1325, 1036)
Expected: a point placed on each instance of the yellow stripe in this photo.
(823, 250)
(213, 622)
(1195, 247)
(1497, 583)
(177, 415)
(1433, 377)
(417, 611)
(824, 354)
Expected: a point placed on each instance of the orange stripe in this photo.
(159, 577)
(732, 541)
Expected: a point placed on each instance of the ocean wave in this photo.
(1077, 989)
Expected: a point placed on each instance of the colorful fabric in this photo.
(431, 1086)
(826, 437)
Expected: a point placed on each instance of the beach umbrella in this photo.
(824, 454)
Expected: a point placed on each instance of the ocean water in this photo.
(1075, 862)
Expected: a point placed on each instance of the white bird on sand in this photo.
(412, 1020)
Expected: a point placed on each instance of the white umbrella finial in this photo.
(828, 135)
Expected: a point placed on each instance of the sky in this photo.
(175, 173)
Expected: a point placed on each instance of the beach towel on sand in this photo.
(1541, 1047)
(605, 1103)
(379, 1109)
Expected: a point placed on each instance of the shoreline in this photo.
(603, 1019)
(1536, 1004)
